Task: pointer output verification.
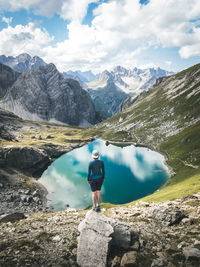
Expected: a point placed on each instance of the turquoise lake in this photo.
(130, 173)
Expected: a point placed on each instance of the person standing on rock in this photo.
(96, 174)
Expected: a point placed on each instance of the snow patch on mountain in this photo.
(131, 81)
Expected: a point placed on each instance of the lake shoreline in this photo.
(118, 164)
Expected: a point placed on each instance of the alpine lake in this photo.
(130, 173)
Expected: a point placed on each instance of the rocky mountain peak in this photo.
(23, 57)
(42, 93)
(22, 62)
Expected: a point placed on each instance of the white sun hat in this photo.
(95, 154)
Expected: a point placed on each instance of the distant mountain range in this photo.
(108, 89)
(83, 76)
(121, 80)
(22, 62)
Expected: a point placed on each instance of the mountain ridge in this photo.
(22, 62)
(42, 93)
(127, 83)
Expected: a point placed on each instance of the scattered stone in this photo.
(197, 242)
(129, 259)
(167, 215)
(56, 238)
(116, 262)
(187, 220)
(191, 253)
(1, 185)
(159, 262)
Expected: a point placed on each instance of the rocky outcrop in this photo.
(28, 160)
(22, 62)
(97, 234)
(94, 240)
(43, 94)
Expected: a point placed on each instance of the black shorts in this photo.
(96, 184)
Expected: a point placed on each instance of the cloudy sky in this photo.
(100, 34)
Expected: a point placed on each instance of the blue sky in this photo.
(100, 34)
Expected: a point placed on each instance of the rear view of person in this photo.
(96, 174)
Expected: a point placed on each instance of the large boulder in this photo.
(94, 240)
(97, 234)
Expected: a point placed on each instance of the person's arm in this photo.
(89, 173)
(103, 170)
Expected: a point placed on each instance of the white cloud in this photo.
(67, 9)
(20, 39)
(120, 31)
(75, 10)
(7, 20)
(39, 7)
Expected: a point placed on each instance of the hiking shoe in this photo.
(98, 209)
(94, 208)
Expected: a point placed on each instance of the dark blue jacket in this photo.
(96, 170)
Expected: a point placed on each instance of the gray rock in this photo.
(129, 259)
(22, 62)
(167, 215)
(7, 78)
(12, 217)
(187, 221)
(1, 185)
(102, 232)
(54, 98)
(191, 253)
(159, 262)
(28, 160)
(94, 240)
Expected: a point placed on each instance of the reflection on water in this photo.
(131, 173)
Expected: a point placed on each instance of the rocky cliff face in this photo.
(43, 94)
(22, 62)
(107, 100)
(7, 78)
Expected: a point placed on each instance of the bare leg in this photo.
(98, 197)
(94, 198)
